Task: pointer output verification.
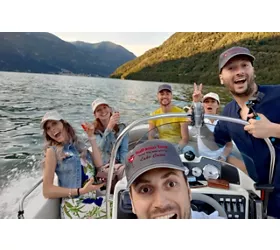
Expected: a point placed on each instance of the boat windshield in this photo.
(200, 142)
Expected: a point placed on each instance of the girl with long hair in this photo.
(107, 129)
(75, 166)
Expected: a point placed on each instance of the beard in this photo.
(248, 91)
(165, 104)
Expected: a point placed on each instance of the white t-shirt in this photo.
(210, 126)
(204, 150)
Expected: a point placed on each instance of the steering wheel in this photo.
(209, 200)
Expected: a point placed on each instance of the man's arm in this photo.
(151, 132)
(184, 134)
(275, 130)
(262, 128)
(221, 134)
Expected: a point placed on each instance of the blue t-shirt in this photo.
(256, 149)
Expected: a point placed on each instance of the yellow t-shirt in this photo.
(169, 129)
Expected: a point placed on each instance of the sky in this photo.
(136, 42)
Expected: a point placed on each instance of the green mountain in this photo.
(40, 52)
(107, 53)
(188, 57)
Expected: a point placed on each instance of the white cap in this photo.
(51, 115)
(98, 102)
(211, 95)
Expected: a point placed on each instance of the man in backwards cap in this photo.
(158, 187)
(236, 72)
(174, 129)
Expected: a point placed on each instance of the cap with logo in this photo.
(150, 155)
(232, 52)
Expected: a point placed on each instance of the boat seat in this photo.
(124, 206)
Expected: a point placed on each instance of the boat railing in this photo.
(21, 211)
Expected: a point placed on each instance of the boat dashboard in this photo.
(226, 184)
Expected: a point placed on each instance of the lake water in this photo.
(25, 98)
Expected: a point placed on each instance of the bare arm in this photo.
(184, 134)
(228, 149)
(275, 130)
(51, 191)
(151, 131)
(95, 151)
(108, 136)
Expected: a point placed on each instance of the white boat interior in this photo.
(240, 200)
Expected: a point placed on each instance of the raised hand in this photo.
(89, 128)
(114, 119)
(197, 92)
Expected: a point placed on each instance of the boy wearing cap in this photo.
(158, 186)
(236, 73)
(174, 129)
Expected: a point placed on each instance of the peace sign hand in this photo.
(197, 92)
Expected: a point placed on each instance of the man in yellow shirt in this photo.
(175, 129)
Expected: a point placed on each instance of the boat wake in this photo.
(17, 184)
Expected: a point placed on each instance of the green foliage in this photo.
(188, 57)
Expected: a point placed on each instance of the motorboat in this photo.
(242, 198)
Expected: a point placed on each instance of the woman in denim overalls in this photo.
(75, 168)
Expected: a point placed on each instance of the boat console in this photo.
(215, 184)
(239, 199)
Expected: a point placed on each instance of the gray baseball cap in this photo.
(232, 52)
(150, 155)
(164, 87)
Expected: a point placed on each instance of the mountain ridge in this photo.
(188, 57)
(42, 52)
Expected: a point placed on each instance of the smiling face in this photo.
(102, 112)
(56, 131)
(164, 97)
(238, 76)
(161, 193)
(211, 106)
